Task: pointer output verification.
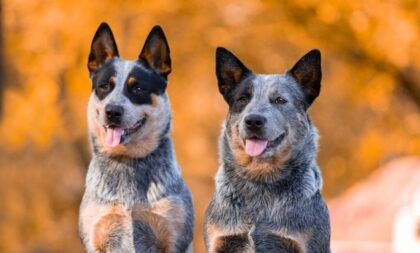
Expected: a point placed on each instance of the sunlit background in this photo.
(367, 115)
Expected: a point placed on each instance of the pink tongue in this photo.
(113, 136)
(254, 147)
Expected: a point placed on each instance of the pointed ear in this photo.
(103, 47)
(307, 72)
(155, 53)
(230, 71)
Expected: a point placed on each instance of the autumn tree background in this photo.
(367, 114)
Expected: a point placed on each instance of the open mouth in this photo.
(255, 146)
(115, 134)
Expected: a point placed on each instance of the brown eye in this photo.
(105, 87)
(244, 99)
(280, 101)
(137, 90)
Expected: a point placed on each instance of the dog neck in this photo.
(129, 180)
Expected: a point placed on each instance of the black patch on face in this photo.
(146, 83)
(101, 80)
(241, 96)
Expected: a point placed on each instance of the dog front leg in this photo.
(276, 242)
(227, 240)
(238, 243)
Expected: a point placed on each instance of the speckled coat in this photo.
(272, 202)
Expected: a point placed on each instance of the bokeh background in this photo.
(367, 115)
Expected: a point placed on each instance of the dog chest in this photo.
(103, 225)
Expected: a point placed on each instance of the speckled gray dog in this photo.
(135, 198)
(268, 185)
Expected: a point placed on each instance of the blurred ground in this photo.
(367, 114)
(380, 213)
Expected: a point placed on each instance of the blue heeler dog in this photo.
(268, 185)
(135, 198)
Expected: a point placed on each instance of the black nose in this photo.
(114, 113)
(254, 121)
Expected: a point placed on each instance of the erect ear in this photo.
(307, 72)
(230, 71)
(103, 47)
(155, 53)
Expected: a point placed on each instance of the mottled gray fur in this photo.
(145, 180)
(281, 210)
(135, 199)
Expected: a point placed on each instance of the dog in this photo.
(268, 185)
(135, 199)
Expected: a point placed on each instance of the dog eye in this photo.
(105, 87)
(137, 90)
(243, 99)
(280, 101)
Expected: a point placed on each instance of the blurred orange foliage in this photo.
(367, 114)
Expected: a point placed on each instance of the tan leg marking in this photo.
(215, 234)
(105, 228)
(159, 226)
(98, 222)
(298, 241)
(166, 218)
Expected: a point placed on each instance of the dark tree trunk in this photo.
(2, 72)
(79, 143)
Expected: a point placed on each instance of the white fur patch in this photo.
(155, 192)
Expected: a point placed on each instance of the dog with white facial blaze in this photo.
(135, 199)
(268, 187)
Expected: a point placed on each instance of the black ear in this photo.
(103, 47)
(230, 71)
(155, 53)
(307, 72)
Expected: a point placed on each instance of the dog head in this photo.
(128, 110)
(267, 118)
